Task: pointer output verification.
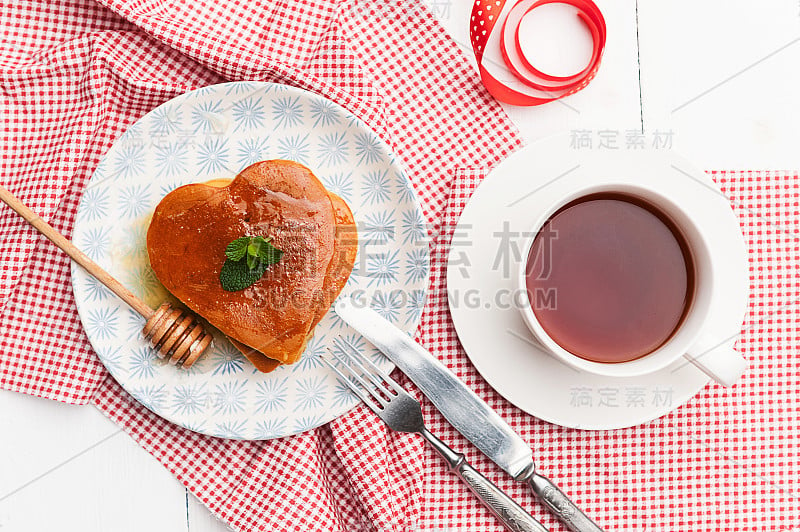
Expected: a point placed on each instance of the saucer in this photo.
(490, 325)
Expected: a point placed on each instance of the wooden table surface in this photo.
(718, 81)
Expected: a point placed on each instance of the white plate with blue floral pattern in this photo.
(215, 132)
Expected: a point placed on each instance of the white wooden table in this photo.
(721, 77)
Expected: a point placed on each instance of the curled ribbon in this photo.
(505, 70)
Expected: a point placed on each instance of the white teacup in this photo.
(714, 356)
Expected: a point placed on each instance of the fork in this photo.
(403, 413)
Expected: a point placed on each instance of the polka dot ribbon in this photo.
(506, 70)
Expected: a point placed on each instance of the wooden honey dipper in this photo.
(175, 334)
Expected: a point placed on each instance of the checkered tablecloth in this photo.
(76, 73)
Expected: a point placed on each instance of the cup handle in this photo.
(718, 360)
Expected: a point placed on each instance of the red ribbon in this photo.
(505, 70)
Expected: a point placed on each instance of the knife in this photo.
(467, 412)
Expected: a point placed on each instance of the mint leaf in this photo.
(269, 253)
(237, 248)
(247, 260)
(252, 260)
(237, 275)
(252, 248)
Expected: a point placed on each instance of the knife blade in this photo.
(463, 409)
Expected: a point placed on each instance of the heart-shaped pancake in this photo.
(193, 225)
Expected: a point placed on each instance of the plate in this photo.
(491, 328)
(214, 132)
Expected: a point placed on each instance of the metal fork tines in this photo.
(403, 413)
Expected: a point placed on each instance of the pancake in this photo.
(193, 225)
(344, 257)
(345, 249)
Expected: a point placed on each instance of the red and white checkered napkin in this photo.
(75, 74)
